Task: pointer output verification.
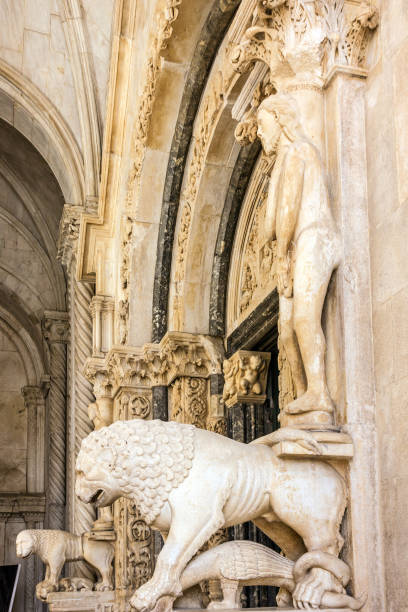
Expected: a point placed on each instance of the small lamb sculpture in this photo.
(55, 547)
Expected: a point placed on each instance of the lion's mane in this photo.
(148, 456)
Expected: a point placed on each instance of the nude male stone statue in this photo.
(298, 216)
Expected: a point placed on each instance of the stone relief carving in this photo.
(199, 475)
(55, 547)
(245, 375)
(242, 563)
(189, 401)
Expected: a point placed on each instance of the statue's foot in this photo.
(309, 402)
(309, 591)
(103, 586)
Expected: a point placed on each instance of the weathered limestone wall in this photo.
(387, 156)
(13, 419)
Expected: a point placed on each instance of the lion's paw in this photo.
(44, 588)
(103, 586)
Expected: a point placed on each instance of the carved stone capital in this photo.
(300, 41)
(245, 376)
(55, 326)
(96, 371)
(178, 354)
(32, 396)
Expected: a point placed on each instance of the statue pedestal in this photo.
(81, 601)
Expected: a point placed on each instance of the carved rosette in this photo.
(245, 375)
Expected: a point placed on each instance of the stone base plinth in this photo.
(81, 601)
(272, 610)
(333, 445)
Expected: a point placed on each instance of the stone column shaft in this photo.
(55, 329)
(345, 107)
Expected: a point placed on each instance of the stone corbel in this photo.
(245, 375)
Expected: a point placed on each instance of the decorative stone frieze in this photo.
(245, 375)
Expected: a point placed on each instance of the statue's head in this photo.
(139, 459)
(24, 544)
(277, 113)
(97, 479)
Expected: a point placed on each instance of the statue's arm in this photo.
(270, 213)
(290, 198)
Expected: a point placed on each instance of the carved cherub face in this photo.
(24, 545)
(269, 130)
(255, 362)
(95, 479)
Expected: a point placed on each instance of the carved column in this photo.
(55, 330)
(134, 553)
(34, 401)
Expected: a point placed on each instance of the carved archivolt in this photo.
(252, 275)
(163, 32)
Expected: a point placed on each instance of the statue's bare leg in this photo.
(290, 344)
(185, 538)
(315, 262)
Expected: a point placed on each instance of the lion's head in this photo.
(142, 460)
(25, 544)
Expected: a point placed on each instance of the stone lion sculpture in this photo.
(189, 482)
(55, 547)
